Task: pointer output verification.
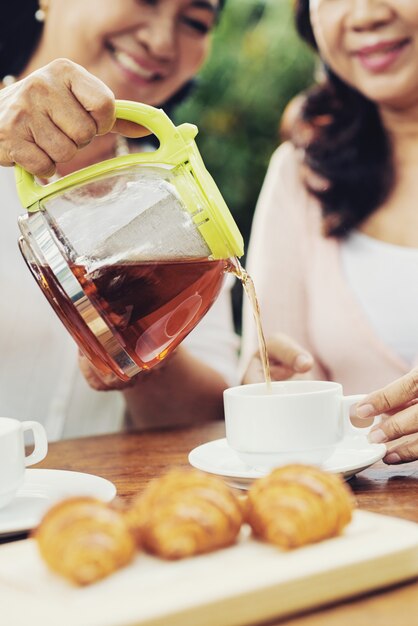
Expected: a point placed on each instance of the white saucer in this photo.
(43, 487)
(216, 457)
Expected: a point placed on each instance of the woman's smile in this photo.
(372, 46)
(383, 55)
(138, 70)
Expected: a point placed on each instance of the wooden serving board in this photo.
(244, 584)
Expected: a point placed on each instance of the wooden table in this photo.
(131, 460)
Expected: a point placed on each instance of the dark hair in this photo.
(345, 143)
(19, 35)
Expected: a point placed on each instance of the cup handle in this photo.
(349, 428)
(41, 442)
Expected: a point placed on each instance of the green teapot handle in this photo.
(174, 143)
(171, 137)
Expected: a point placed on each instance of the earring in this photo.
(40, 15)
(9, 80)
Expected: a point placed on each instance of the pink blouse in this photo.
(302, 290)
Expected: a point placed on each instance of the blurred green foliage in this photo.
(257, 65)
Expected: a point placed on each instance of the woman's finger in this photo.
(255, 372)
(130, 129)
(403, 452)
(403, 423)
(57, 145)
(31, 158)
(286, 358)
(92, 94)
(99, 380)
(392, 412)
(285, 351)
(396, 394)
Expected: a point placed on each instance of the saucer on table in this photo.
(351, 456)
(41, 488)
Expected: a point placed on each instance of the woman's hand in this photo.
(178, 391)
(101, 381)
(398, 402)
(47, 116)
(286, 359)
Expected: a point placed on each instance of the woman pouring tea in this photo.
(63, 64)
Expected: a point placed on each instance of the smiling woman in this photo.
(155, 46)
(337, 224)
(70, 60)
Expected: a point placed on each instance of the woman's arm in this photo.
(183, 390)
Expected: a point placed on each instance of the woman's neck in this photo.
(396, 220)
(402, 126)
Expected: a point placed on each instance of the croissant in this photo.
(185, 512)
(296, 504)
(84, 539)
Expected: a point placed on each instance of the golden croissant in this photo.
(185, 512)
(84, 539)
(297, 504)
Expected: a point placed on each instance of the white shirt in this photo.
(39, 375)
(373, 269)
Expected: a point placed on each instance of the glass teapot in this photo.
(131, 252)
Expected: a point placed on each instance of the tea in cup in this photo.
(13, 460)
(298, 421)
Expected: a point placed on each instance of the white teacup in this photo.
(12, 454)
(297, 421)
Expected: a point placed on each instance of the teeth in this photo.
(131, 65)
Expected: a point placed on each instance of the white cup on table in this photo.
(13, 459)
(299, 421)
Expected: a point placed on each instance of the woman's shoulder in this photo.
(285, 190)
(287, 160)
(286, 173)
(285, 181)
